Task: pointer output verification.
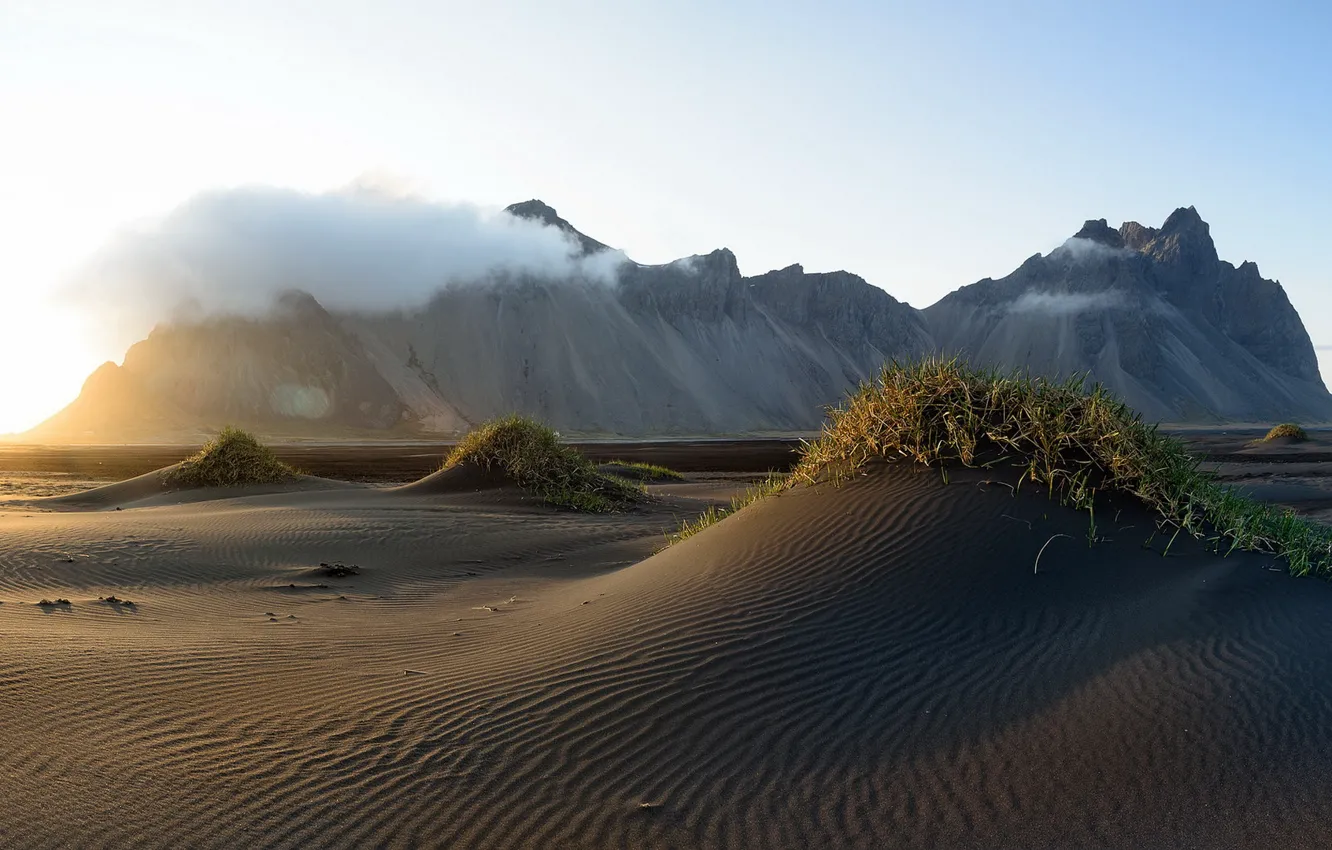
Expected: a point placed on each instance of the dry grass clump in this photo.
(232, 458)
(1072, 441)
(1287, 429)
(532, 455)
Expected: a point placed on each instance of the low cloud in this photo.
(1082, 250)
(369, 247)
(1068, 303)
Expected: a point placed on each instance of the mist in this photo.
(358, 249)
(1081, 250)
(1068, 303)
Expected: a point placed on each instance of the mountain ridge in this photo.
(695, 347)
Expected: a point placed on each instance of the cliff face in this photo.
(694, 347)
(1152, 313)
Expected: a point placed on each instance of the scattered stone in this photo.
(47, 603)
(337, 569)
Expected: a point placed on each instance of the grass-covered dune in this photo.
(1287, 431)
(1072, 441)
(233, 458)
(532, 456)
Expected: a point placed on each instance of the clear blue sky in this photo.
(921, 145)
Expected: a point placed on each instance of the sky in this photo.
(922, 145)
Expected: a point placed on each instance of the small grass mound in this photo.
(531, 454)
(232, 458)
(1069, 440)
(1288, 430)
(636, 471)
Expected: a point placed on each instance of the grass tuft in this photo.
(774, 483)
(1072, 441)
(532, 455)
(1287, 429)
(637, 471)
(232, 458)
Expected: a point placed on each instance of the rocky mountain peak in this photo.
(1184, 240)
(538, 210)
(1098, 231)
(719, 265)
(1136, 236)
(1185, 219)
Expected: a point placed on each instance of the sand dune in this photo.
(152, 489)
(875, 665)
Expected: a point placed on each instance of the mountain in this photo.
(694, 347)
(689, 347)
(1152, 313)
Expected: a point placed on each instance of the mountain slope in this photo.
(686, 347)
(1154, 315)
(299, 364)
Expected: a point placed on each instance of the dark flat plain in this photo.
(394, 461)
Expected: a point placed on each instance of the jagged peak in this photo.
(724, 258)
(1135, 235)
(538, 210)
(1098, 231)
(1184, 238)
(1182, 219)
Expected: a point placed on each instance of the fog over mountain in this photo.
(363, 312)
(366, 247)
